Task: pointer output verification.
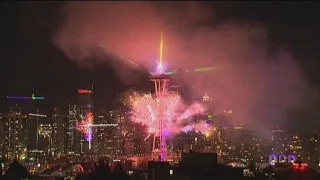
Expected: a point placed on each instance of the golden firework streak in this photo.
(161, 46)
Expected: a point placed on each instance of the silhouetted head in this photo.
(118, 168)
(10, 176)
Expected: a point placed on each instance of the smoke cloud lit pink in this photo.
(258, 86)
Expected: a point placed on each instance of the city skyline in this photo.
(159, 90)
(230, 141)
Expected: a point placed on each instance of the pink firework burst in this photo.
(175, 113)
(85, 126)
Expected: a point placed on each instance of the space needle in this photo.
(160, 80)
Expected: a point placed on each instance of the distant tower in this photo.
(86, 103)
(206, 98)
(207, 102)
(160, 84)
(13, 132)
(59, 132)
(77, 112)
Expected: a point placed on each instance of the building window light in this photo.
(171, 172)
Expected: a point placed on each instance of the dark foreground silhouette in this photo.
(102, 171)
(16, 171)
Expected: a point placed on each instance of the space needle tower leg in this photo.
(160, 84)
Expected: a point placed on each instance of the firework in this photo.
(85, 126)
(175, 113)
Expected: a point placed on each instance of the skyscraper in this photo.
(311, 150)
(77, 112)
(279, 141)
(3, 140)
(59, 126)
(21, 124)
(14, 132)
(45, 139)
(295, 144)
(106, 138)
(32, 124)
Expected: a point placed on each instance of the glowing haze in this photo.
(259, 86)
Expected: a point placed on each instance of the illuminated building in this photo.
(33, 121)
(14, 133)
(208, 113)
(229, 140)
(17, 126)
(235, 144)
(76, 140)
(133, 136)
(208, 105)
(246, 146)
(104, 142)
(128, 147)
(180, 142)
(196, 141)
(35, 156)
(252, 148)
(3, 141)
(311, 150)
(260, 150)
(295, 145)
(206, 98)
(76, 112)
(193, 140)
(85, 102)
(127, 138)
(223, 143)
(281, 158)
(120, 116)
(139, 148)
(58, 133)
(45, 139)
(279, 141)
(108, 140)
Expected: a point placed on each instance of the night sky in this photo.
(30, 63)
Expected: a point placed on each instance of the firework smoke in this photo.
(260, 87)
(175, 113)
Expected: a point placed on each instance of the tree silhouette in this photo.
(17, 169)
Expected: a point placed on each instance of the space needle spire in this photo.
(160, 65)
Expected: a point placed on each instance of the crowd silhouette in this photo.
(16, 171)
(101, 171)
